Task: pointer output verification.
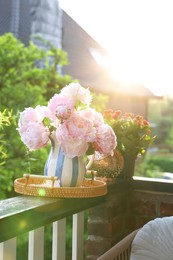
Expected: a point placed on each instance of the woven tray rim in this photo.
(90, 188)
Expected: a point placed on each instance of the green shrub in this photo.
(24, 84)
(163, 162)
(153, 165)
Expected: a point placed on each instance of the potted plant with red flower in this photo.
(134, 136)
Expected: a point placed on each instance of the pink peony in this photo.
(61, 106)
(44, 111)
(78, 93)
(105, 141)
(74, 147)
(31, 129)
(29, 115)
(77, 132)
(93, 115)
(76, 128)
(63, 113)
(35, 135)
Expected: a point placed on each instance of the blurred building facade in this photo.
(28, 18)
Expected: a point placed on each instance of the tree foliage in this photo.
(159, 159)
(23, 84)
(160, 113)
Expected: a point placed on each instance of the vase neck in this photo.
(53, 139)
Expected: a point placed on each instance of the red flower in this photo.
(138, 122)
(139, 117)
(129, 115)
(145, 122)
(116, 114)
(108, 113)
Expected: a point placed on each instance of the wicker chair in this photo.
(153, 241)
(120, 251)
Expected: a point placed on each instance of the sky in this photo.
(138, 34)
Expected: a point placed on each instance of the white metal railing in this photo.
(59, 239)
(30, 215)
(36, 241)
(8, 249)
(77, 238)
(36, 244)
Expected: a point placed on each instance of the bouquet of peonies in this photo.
(78, 128)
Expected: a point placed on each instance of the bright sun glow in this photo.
(137, 35)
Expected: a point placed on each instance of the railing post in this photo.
(59, 239)
(78, 239)
(8, 249)
(36, 244)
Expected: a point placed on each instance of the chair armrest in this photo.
(121, 249)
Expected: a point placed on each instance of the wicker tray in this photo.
(42, 186)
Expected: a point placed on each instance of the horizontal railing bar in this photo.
(152, 184)
(25, 213)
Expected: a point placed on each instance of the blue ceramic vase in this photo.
(70, 171)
